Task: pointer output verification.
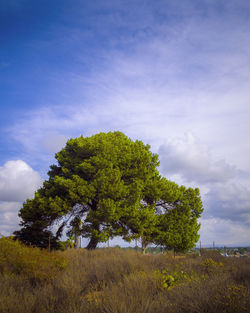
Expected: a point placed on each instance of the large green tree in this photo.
(107, 185)
(100, 180)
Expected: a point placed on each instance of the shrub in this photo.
(212, 266)
(32, 263)
(169, 280)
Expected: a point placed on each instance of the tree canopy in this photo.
(107, 185)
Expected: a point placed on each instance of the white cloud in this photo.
(54, 142)
(193, 161)
(224, 232)
(18, 181)
(9, 217)
(229, 201)
(170, 81)
(224, 189)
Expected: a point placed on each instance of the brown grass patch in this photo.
(119, 281)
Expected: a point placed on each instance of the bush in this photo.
(32, 263)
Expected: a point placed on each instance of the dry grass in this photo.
(117, 281)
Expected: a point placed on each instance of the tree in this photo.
(174, 223)
(107, 185)
(177, 223)
(99, 180)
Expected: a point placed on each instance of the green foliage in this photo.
(99, 179)
(211, 266)
(32, 263)
(36, 235)
(107, 185)
(177, 227)
(171, 279)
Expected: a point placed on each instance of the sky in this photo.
(174, 74)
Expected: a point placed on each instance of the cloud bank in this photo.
(225, 192)
(193, 162)
(18, 181)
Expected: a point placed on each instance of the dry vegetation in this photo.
(118, 281)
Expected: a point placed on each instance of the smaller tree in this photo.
(177, 222)
(35, 236)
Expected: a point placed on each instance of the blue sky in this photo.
(175, 74)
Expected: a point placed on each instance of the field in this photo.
(114, 280)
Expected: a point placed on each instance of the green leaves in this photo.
(112, 184)
(174, 278)
(177, 226)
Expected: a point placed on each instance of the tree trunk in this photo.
(92, 244)
(93, 241)
(76, 241)
(144, 244)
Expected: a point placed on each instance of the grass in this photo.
(116, 281)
